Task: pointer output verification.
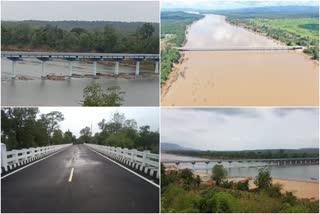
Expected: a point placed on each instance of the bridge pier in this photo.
(14, 60)
(193, 163)
(70, 69)
(137, 68)
(43, 60)
(94, 71)
(13, 69)
(116, 68)
(156, 69)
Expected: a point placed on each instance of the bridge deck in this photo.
(20, 54)
(284, 48)
(97, 185)
(239, 160)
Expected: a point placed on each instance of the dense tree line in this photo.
(254, 154)
(21, 128)
(284, 36)
(25, 128)
(122, 132)
(105, 39)
(183, 192)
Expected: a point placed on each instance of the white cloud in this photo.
(220, 4)
(218, 130)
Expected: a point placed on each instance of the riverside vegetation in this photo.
(182, 191)
(80, 36)
(25, 128)
(290, 25)
(173, 28)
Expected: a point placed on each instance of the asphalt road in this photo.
(97, 185)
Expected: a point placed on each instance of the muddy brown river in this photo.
(239, 78)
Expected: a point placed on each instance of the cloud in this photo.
(219, 4)
(240, 128)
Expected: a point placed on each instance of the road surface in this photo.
(77, 180)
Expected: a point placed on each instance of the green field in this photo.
(305, 27)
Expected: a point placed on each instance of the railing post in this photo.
(4, 156)
(145, 157)
(133, 154)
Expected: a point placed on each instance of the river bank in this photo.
(241, 78)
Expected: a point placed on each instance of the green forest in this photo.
(253, 154)
(173, 27)
(78, 36)
(27, 127)
(289, 25)
(183, 192)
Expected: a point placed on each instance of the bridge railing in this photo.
(144, 161)
(15, 158)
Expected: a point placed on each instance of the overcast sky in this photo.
(76, 118)
(240, 129)
(129, 11)
(230, 4)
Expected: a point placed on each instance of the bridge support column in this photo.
(94, 71)
(156, 69)
(43, 74)
(116, 68)
(70, 68)
(193, 163)
(137, 68)
(13, 69)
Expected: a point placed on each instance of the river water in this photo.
(293, 172)
(141, 91)
(239, 78)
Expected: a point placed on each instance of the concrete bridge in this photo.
(284, 48)
(70, 57)
(274, 161)
(79, 178)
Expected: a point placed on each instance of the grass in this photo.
(306, 27)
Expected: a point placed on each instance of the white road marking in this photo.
(140, 176)
(32, 163)
(71, 174)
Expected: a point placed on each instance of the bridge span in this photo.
(284, 48)
(15, 56)
(273, 161)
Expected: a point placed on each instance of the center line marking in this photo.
(71, 174)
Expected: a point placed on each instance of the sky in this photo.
(241, 128)
(129, 11)
(231, 4)
(76, 118)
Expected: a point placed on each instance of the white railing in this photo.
(141, 160)
(14, 158)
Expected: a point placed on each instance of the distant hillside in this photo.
(172, 147)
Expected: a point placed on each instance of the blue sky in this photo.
(230, 4)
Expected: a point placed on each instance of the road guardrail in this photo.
(144, 161)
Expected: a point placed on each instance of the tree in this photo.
(57, 137)
(146, 31)
(67, 137)
(18, 127)
(218, 173)
(119, 140)
(263, 180)
(52, 120)
(94, 95)
(85, 135)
